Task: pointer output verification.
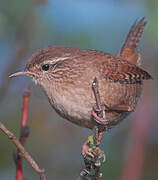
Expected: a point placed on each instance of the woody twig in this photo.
(19, 144)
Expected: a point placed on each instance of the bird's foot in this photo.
(99, 120)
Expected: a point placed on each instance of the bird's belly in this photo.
(82, 116)
(76, 105)
(75, 112)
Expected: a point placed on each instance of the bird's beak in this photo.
(24, 73)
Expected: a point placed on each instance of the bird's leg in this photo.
(98, 112)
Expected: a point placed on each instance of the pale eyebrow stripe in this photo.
(60, 59)
(56, 59)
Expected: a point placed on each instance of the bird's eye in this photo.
(45, 67)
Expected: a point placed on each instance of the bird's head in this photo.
(46, 65)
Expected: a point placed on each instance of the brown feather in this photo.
(119, 70)
(128, 50)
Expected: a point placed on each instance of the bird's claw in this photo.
(101, 121)
(96, 111)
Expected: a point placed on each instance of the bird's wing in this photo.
(128, 50)
(122, 71)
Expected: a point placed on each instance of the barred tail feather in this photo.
(128, 50)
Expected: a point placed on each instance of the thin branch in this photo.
(24, 153)
(20, 147)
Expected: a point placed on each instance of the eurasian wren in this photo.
(66, 75)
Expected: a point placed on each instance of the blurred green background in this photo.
(27, 25)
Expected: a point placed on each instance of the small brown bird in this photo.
(66, 75)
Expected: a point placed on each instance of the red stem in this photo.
(25, 108)
(23, 135)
